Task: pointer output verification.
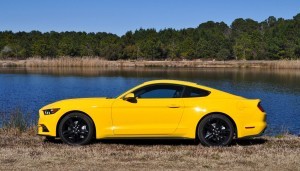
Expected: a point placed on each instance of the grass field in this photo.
(99, 62)
(26, 151)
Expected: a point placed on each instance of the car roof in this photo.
(187, 83)
(179, 82)
(170, 82)
(184, 83)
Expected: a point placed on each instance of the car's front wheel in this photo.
(215, 130)
(76, 129)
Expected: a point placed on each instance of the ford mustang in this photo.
(155, 109)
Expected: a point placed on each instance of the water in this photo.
(30, 89)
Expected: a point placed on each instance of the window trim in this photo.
(171, 84)
(190, 87)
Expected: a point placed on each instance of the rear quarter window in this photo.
(190, 92)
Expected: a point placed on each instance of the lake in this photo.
(29, 89)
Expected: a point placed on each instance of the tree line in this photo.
(247, 39)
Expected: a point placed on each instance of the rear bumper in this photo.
(254, 130)
(257, 135)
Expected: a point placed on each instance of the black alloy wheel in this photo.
(215, 130)
(76, 129)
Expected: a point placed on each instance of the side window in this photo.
(159, 91)
(195, 92)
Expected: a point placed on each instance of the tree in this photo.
(151, 49)
(273, 38)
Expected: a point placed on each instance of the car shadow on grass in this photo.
(248, 141)
(142, 142)
(53, 141)
(177, 142)
(173, 142)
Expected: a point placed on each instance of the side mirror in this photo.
(129, 96)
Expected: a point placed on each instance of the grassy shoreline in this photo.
(99, 62)
(27, 151)
(21, 148)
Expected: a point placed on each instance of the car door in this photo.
(156, 110)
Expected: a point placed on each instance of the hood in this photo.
(78, 103)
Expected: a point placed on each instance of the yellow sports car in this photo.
(155, 109)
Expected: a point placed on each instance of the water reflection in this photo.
(276, 77)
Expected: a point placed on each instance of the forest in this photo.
(245, 39)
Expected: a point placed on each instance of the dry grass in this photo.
(16, 121)
(100, 62)
(27, 152)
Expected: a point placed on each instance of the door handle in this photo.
(174, 106)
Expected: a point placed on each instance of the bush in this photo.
(16, 119)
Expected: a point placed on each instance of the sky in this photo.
(120, 16)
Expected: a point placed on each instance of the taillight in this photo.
(260, 107)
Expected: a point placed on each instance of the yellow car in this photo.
(155, 109)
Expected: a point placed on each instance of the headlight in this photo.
(50, 111)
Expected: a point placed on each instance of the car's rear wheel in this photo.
(215, 130)
(76, 129)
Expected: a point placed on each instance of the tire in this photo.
(215, 130)
(76, 129)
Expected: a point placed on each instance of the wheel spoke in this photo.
(70, 122)
(71, 137)
(80, 122)
(84, 132)
(74, 138)
(209, 127)
(222, 138)
(208, 137)
(67, 132)
(218, 123)
(225, 132)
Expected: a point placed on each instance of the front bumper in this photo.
(47, 124)
(44, 131)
